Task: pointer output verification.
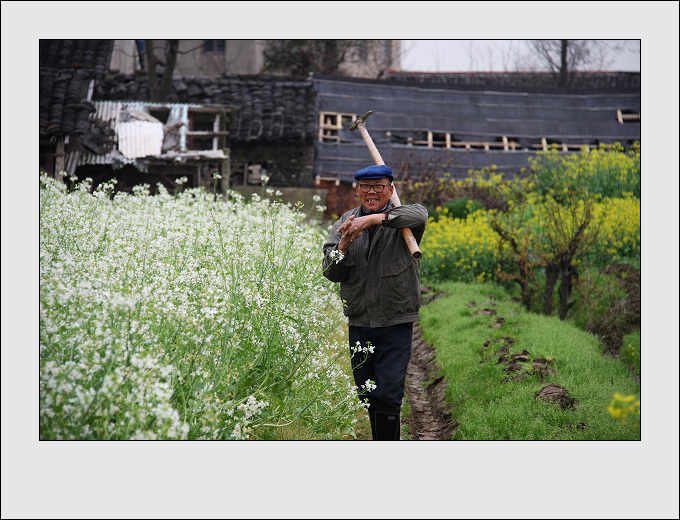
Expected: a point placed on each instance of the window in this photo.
(160, 113)
(508, 143)
(446, 140)
(330, 124)
(432, 139)
(140, 53)
(207, 129)
(210, 46)
(627, 116)
(559, 145)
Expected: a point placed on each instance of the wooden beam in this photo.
(59, 160)
(208, 133)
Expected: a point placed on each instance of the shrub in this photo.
(609, 170)
(459, 249)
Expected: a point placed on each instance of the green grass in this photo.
(486, 406)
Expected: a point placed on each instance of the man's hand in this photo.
(351, 228)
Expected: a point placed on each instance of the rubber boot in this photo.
(387, 426)
(371, 417)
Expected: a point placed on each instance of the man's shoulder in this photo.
(354, 211)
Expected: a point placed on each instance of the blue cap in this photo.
(377, 171)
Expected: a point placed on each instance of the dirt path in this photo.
(428, 418)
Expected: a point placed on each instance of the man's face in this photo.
(372, 201)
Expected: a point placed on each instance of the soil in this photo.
(428, 417)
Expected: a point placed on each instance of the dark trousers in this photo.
(386, 366)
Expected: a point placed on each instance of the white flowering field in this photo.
(185, 316)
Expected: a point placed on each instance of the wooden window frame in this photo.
(627, 116)
(330, 124)
(219, 132)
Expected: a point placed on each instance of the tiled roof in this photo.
(266, 107)
(67, 68)
(580, 80)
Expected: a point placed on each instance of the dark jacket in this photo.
(379, 286)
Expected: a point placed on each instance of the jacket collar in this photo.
(363, 212)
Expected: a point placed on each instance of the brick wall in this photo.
(340, 197)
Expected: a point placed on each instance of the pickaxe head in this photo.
(360, 120)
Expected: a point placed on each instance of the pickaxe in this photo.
(411, 243)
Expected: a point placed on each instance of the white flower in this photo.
(337, 255)
(369, 385)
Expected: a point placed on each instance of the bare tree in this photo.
(566, 57)
(302, 57)
(510, 52)
(159, 88)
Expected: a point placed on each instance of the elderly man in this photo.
(380, 289)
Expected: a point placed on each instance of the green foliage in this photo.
(609, 171)
(458, 208)
(601, 292)
(574, 211)
(492, 403)
(631, 351)
(459, 249)
(486, 187)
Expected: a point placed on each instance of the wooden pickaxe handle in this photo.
(411, 243)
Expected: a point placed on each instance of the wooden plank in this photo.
(207, 133)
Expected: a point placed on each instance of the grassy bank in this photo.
(478, 328)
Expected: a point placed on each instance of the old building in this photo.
(194, 57)
(211, 58)
(69, 72)
(296, 132)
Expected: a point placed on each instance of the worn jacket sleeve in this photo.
(413, 216)
(335, 271)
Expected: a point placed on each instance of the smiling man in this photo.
(380, 288)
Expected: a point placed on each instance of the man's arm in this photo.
(413, 216)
